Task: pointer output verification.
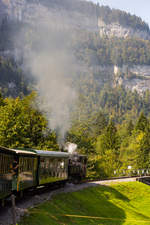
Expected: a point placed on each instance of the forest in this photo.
(111, 139)
(96, 50)
(110, 125)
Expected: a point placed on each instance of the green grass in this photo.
(51, 179)
(123, 203)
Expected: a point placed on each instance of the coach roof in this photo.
(52, 154)
(16, 151)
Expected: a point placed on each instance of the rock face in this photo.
(116, 30)
(82, 16)
(135, 77)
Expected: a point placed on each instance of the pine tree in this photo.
(142, 123)
(130, 127)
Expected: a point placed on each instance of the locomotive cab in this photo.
(77, 167)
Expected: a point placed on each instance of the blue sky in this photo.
(138, 7)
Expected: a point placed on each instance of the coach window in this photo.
(31, 164)
(4, 162)
(1, 164)
(21, 164)
(24, 164)
(54, 164)
(47, 163)
(51, 163)
(28, 164)
(42, 163)
(59, 164)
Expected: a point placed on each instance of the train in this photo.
(22, 169)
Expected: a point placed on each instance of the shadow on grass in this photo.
(89, 206)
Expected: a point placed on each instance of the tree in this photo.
(107, 150)
(2, 102)
(142, 123)
(143, 158)
(22, 125)
(111, 138)
(130, 128)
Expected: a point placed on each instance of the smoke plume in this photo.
(49, 58)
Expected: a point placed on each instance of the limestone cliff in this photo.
(115, 29)
(135, 77)
(77, 13)
(82, 15)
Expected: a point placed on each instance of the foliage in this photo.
(96, 50)
(89, 48)
(109, 125)
(22, 125)
(123, 142)
(125, 19)
(107, 150)
(142, 123)
(12, 80)
(135, 147)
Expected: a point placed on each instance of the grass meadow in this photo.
(126, 203)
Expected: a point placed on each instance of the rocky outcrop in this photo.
(116, 30)
(136, 77)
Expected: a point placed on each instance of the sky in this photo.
(137, 7)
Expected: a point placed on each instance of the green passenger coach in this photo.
(52, 166)
(26, 175)
(21, 169)
(18, 170)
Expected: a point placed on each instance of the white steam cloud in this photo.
(49, 58)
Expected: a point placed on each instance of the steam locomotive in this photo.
(24, 169)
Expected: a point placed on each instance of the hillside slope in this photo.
(118, 204)
(78, 17)
(110, 49)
